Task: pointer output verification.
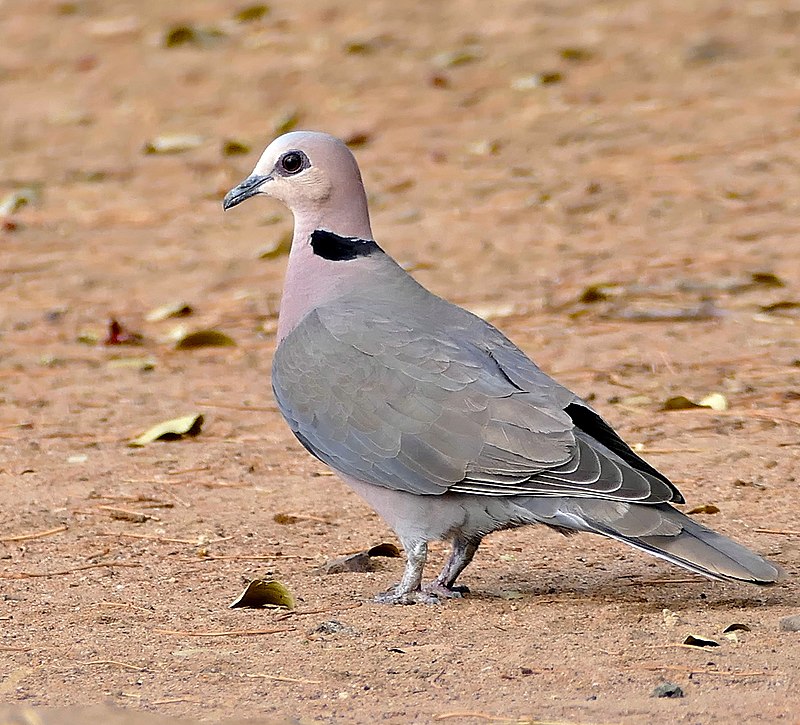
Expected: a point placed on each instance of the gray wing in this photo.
(451, 407)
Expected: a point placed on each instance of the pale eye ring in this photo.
(292, 162)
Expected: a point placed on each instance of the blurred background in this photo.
(615, 184)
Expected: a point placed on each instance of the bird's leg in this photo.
(443, 586)
(408, 590)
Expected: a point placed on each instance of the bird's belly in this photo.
(417, 517)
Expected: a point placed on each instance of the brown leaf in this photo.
(119, 335)
(694, 640)
(251, 13)
(259, 593)
(204, 338)
(170, 430)
(706, 508)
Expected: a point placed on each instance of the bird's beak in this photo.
(249, 187)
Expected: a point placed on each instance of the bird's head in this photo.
(316, 176)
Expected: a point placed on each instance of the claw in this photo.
(442, 591)
(392, 596)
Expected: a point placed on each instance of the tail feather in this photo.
(667, 533)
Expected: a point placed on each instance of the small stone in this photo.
(667, 689)
(790, 624)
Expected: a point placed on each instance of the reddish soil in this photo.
(515, 157)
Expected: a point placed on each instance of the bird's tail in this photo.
(664, 532)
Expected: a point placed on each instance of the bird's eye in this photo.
(292, 162)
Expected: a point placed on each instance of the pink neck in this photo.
(311, 280)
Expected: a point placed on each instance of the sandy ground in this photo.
(524, 161)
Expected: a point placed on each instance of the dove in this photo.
(430, 414)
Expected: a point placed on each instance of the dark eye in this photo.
(292, 162)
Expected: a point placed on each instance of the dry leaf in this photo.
(204, 338)
(285, 519)
(173, 143)
(145, 364)
(694, 640)
(286, 121)
(232, 147)
(360, 562)
(706, 508)
(259, 593)
(736, 627)
(170, 430)
(384, 549)
(15, 200)
(173, 309)
(715, 401)
(120, 335)
(251, 13)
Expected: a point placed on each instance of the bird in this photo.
(439, 422)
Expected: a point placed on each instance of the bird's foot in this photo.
(393, 596)
(442, 591)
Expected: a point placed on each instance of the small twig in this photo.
(181, 471)
(656, 582)
(462, 714)
(691, 671)
(63, 572)
(222, 633)
(125, 605)
(255, 557)
(295, 613)
(779, 532)
(34, 535)
(173, 700)
(163, 539)
(8, 648)
(118, 663)
(279, 678)
(137, 517)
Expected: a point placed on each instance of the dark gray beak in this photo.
(249, 187)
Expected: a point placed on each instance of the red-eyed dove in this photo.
(445, 427)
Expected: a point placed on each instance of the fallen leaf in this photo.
(736, 627)
(119, 335)
(286, 121)
(767, 279)
(714, 401)
(259, 593)
(352, 563)
(694, 640)
(706, 508)
(204, 338)
(359, 562)
(458, 57)
(15, 200)
(285, 519)
(145, 364)
(384, 549)
(781, 305)
(173, 143)
(575, 54)
(599, 292)
(186, 34)
(173, 309)
(232, 147)
(251, 13)
(170, 430)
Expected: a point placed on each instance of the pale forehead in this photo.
(321, 148)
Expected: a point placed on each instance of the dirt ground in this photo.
(614, 184)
